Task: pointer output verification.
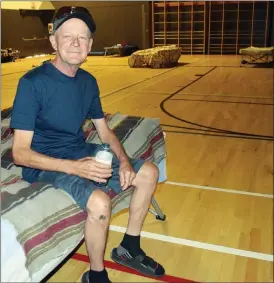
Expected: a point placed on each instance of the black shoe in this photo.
(86, 279)
(141, 263)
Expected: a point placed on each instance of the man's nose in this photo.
(75, 41)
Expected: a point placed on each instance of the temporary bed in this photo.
(256, 55)
(40, 224)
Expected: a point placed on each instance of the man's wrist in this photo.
(124, 159)
(67, 166)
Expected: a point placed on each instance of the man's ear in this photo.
(90, 43)
(53, 41)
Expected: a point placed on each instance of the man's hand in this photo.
(106, 135)
(90, 169)
(127, 174)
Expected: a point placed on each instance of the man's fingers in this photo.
(132, 177)
(85, 158)
(122, 179)
(99, 171)
(100, 174)
(127, 180)
(101, 165)
(99, 180)
(95, 178)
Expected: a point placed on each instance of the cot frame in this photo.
(256, 57)
(157, 210)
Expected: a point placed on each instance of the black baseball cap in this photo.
(68, 12)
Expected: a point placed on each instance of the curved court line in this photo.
(223, 101)
(226, 95)
(217, 134)
(219, 189)
(213, 131)
(200, 125)
(199, 245)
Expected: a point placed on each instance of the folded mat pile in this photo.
(252, 50)
(157, 57)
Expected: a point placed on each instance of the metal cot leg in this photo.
(158, 212)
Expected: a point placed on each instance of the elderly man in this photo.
(51, 104)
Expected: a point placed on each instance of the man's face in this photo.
(72, 41)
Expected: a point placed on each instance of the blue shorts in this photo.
(80, 188)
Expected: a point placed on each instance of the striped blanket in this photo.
(47, 219)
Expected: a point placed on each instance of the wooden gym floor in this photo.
(218, 120)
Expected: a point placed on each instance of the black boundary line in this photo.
(209, 131)
(216, 135)
(200, 125)
(206, 94)
(233, 67)
(224, 101)
(225, 95)
(204, 132)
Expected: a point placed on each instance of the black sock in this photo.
(132, 244)
(98, 276)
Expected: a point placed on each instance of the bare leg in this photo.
(96, 228)
(129, 253)
(145, 183)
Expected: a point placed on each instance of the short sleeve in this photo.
(95, 110)
(25, 107)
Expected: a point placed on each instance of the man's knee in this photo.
(99, 206)
(148, 173)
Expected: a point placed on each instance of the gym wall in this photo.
(117, 21)
(272, 29)
(26, 30)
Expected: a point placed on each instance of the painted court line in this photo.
(138, 82)
(219, 189)
(199, 245)
(118, 267)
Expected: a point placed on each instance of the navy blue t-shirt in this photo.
(55, 106)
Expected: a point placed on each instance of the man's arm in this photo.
(25, 110)
(25, 156)
(106, 135)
